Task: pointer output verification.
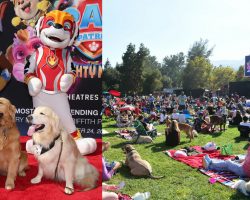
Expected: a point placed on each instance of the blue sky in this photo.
(170, 26)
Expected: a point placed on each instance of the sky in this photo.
(168, 27)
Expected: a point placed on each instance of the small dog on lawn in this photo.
(138, 167)
(12, 159)
(217, 120)
(141, 139)
(188, 129)
(57, 153)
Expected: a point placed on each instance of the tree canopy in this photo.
(141, 73)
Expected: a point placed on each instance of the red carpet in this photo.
(47, 189)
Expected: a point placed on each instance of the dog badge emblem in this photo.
(52, 60)
(37, 149)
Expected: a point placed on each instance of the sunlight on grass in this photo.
(181, 181)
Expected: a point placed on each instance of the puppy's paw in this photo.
(35, 180)
(9, 186)
(22, 173)
(68, 190)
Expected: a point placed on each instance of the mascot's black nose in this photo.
(29, 118)
(58, 26)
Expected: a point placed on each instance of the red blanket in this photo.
(47, 189)
(196, 160)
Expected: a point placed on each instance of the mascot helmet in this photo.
(59, 26)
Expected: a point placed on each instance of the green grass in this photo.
(181, 181)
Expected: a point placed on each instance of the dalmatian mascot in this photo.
(49, 73)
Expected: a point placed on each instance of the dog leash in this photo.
(56, 176)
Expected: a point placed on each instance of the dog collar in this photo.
(131, 151)
(41, 149)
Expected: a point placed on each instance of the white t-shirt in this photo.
(182, 118)
(163, 117)
(245, 124)
(175, 116)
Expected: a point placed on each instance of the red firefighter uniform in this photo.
(50, 65)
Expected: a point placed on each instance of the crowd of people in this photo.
(184, 109)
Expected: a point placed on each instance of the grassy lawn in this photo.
(181, 181)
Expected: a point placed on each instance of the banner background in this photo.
(85, 95)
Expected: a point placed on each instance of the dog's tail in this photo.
(155, 177)
(194, 132)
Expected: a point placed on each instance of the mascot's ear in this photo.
(38, 25)
(75, 35)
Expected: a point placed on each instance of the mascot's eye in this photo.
(20, 53)
(42, 113)
(67, 26)
(50, 23)
(36, 45)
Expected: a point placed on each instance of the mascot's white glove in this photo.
(34, 86)
(66, 82)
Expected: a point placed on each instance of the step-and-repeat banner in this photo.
(17, 41)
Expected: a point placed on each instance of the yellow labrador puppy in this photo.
(57, 153)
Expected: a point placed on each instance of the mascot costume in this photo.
(49, 72)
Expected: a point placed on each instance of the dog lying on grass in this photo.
(141, 139)
(138, 167)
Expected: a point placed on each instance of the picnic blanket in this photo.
(195, 161)
(124, 134)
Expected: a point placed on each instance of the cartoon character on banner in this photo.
(49, 72)
(5, 65)
(89, 18)
(29, 11)
(4, 72)
(25, 44)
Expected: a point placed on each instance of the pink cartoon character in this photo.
(25, 44)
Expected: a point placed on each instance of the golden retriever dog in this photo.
(188, 129)
(141, 139)
(138, 167)
(12, 160)
(57, 153)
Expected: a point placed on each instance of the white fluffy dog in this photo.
(57, 153)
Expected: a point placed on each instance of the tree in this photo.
(200, 49)
(107, 64)
(221, 76)
(132, 69)
(240, 74)
(111, 77)
(172, 69)
(152, 81)
(197, 73)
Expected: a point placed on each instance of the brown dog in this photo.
(188, 129)
(138, 167)
(12, 160)
(217, 120)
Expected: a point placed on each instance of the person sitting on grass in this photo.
(245, 122)
(239, 167)
(200, 125)
(147, 126)
(108, 169)
(235, 121)
(173, 134)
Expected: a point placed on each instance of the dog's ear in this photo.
(55, 123)
(12, 112)
(38, 26)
